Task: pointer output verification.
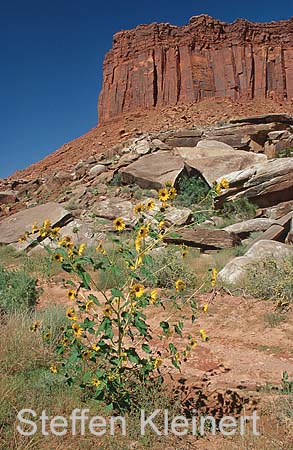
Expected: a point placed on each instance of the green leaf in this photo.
(117, 293)
(133, 356)
(174, 235)
(86, 279)
(165, 326)
(94, 299)
(172, 348)
(146, 348)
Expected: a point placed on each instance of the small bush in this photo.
(191, 190)
(271, 280)
(241, 209)
(18, 290)
(167, 266)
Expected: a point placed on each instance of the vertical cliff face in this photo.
(160, 64)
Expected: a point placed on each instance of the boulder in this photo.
(235, 270)
(81, 232)
(204, 238)
(13, 227)
(183, 138)
(214, 159)
(246, 136)
(265, 184)
(173, 215)
(243, 229)
(277, 231)
(278, 211)
(97, 170)
(115, 207)
(7, 197)
(153, 171)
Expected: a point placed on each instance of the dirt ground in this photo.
(240, 367)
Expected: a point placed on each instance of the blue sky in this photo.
(51, 62)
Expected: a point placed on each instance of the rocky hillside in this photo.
(162, 64)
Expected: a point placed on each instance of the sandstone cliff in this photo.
(161, 64)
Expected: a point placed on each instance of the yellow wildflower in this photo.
(138, 244)
(96, 382)
(89, 304)
(47, 336)
(214, 277)
(163, 194)
(161, 225)
(81, 249)
(77, 329)
(70, 253)
(203, 335)
(158, 362)
(119, 224)
(193, 343)
(111, 376)
(153, 297)
(96, 347)
(100, 248)
(184, 251)
(35, 326)
(137, 290)
(65, 341)
(53, 369)
(86, 354)
(225, 183)
(47, 224)
(35, 228)
(180, 285)
(150, 204)
(218, 188)
(139, 208)
(107, 311)
(177, 356)
(205, 307)
(143, 232)
(71, 314)
(164, 206)
(72, 294)
(58, 257)
(172, 193)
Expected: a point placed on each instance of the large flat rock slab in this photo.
(153, 171)
(265, 184)
(204, 238)
(214, 159)
(14, 226)
(243, 229)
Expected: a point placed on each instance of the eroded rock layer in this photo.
(161, 64)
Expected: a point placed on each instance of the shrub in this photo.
(18, 290)
(167, 266)
(241, 209)
(191, 190)
(272, 280)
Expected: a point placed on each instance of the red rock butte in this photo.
(161, 64)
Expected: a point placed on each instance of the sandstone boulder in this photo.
(13, 227)
(243, 229)
(97, 170)
(153, 171)
(115, 207)
(204, 238)
(214, 159)
(265, 184)
(235, 270)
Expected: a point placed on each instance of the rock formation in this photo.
(161, 64)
